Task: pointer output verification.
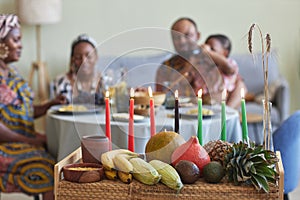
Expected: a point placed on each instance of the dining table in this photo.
(65, 130)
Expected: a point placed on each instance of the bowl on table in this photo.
(159, 98)
(83, 172)
(142, 98)
(141, 109)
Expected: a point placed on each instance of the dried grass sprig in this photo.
(268, 50)
(268, 42)
(266, 117)
(250, 33)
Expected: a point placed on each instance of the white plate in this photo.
(124, 117)
(76, 109)
(193, 113)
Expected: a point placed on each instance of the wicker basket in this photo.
(104, 189)
(116, 190)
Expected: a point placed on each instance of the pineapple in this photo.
(251, 164)
(217, 149)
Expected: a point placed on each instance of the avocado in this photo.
(188, 171)
(213, 172)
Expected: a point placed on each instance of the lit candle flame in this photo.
(224, 94)
(107, 94)
(131, 92)
(150, 92)
(200, 93)
(242, 93)
(176, 94)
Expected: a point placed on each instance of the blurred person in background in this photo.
(81, 84)
(189, 69)
(218, 47)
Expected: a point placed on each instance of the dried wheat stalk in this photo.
(266, 117)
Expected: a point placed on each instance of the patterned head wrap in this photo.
(83, 38)
(7, 22)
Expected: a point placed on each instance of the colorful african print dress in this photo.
(23, 167)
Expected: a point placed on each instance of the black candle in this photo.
(176, 113)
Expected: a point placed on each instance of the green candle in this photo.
(200, 117)
(223, 116)
(244, 117)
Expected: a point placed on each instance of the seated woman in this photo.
(81, 84)
(25, 166)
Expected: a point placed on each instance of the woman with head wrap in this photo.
(25, 166)
(81, 84)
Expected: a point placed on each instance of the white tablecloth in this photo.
(65, 131)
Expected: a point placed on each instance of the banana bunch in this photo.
(116, 164)
(114, 175)
(169, 175)
(144, 172)
(107, 158)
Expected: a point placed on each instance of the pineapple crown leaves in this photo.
(251, 164)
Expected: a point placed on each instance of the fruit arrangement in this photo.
(239, 162)
(173, 161)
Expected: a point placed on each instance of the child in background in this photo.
(218, 47)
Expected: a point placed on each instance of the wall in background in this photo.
(103, 19)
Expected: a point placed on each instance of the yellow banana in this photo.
(111, 175)
(169, 175)
(107, 157)
(121, 162)
(144, 172)
(124, 177)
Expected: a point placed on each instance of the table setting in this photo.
(65, 128)
(168, 151)
(127, 149)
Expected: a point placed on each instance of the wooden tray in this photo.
(114, 190)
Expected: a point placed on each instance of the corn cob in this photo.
(144, 172)
(169, 175)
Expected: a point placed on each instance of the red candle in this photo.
(107, 119)
(176, 129)
(152, 113)
(131, 122)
